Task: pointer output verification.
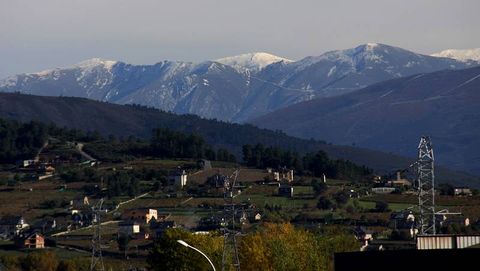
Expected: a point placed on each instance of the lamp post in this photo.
(183, 243)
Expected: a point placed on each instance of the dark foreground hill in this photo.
(124, 120)
(392, 115)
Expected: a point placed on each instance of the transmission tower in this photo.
(230, 233)
(96, 263)
(426, 186)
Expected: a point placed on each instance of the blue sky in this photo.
(36, 35)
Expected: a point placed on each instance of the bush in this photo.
(341, 197)
(319, 187)
(324, 203)
(381, 206)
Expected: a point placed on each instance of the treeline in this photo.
(164, 144)
(20, 141)
(316, 164)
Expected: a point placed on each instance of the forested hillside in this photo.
(130, 120)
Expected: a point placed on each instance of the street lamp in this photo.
(183, 243)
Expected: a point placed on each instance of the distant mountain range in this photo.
(233, 88)
(462, 55)
(392, 115)
(126, 120)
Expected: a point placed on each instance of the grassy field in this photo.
(27, 198)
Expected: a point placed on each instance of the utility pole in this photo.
(426, 186)
(230, 233)
(96, 263)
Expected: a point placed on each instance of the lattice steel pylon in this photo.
(230, 247)
(96, 263)
(426, 186)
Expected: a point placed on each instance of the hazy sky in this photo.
(40, 34)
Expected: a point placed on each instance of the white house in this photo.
(12, 225)
(179, 179)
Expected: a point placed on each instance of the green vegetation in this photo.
(272, 247)
(20, 141)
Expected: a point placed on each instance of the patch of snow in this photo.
(461, 55)
(10, 81)
(331, 71)
(252, 61)
(95, 62)
(411, 64)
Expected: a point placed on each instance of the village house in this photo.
(363, 234)
(46, 169)
(462, 191)
(383, 190)
(129, 227)
(399, 181)
(404, 220)
(45, 225)
(28, 163)
(179, 178)
(141, 215)
(217, 181)
(444, 220)
(31, 240)
(282, 175)
(204, 164)
(12, 225)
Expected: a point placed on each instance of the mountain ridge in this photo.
(392, 115)
(226, 92)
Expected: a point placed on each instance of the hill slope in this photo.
(242, 87)
(391, 116)
(134, 120)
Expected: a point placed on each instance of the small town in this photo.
(64, 200)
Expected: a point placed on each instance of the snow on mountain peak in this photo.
(95, 62)
(251, 61)
(371, 45)
(461, 55)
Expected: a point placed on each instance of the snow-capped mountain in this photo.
(392, 115)
(233, 88)
(252, 61)
(462, 55)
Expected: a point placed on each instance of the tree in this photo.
(319, 187)
(167, 254)
(324, 203)
(381, 206)
(284, 247)
(341, 197)
(122, 241)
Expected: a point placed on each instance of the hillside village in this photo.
(49, 202)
